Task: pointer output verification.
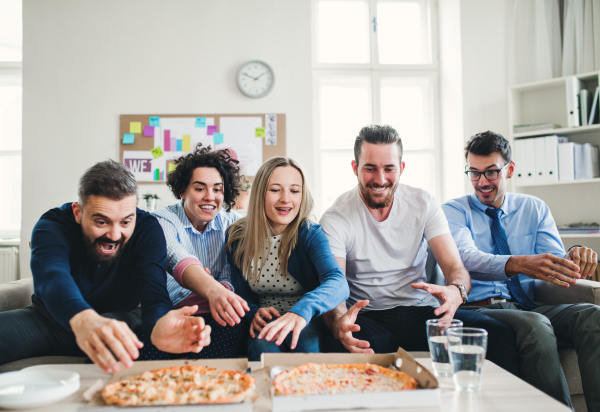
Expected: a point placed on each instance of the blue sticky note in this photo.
(154, 121)
(179, 145)
(200, 121)
(128, 138)
(217, 138)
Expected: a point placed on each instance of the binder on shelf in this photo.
(566, 161)
(529, 161)
(519, 158)
(551, 157)
(593, 116)
(583, 107)
(573, 87)
(586, 161)
(539, 153)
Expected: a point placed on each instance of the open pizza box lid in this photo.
(139, 367)
(428, 393)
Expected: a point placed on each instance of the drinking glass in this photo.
(438, 345)
(467, 348)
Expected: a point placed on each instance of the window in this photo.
(11, 92)
(374, 61)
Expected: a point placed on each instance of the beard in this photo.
(97, 257)
(372, 203)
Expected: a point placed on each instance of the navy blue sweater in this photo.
(313, 265)
(67, 282)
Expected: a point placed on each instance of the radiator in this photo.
(9, 264)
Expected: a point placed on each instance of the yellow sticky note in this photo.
(157, 152)
(260, 132)
(172, 166)
(135, 127)
(185, 144)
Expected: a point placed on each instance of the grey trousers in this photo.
(541, 332)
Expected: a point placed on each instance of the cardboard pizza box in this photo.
(139, 367)
(428, 393)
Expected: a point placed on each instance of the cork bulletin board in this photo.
(149, 143)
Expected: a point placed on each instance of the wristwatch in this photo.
(463, 292)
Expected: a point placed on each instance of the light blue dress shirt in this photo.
(184, 241)
(529, 226)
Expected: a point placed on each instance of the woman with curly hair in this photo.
(207, 182)
(281, 264)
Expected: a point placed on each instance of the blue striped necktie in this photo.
(513, 283)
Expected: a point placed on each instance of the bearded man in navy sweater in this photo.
(94, 262)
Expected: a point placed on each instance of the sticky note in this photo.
(200, 121)
(217, 138)
(128, 138)
(211, 129)
(260, 132)
(172, 166)
(135, 127)
(149, 131)
(185, 142)
(154, 121)
(157, 152)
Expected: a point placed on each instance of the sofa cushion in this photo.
(15, 295)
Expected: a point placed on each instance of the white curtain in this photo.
(535, 43)
(581, 37)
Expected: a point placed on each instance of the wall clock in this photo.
(256, 79)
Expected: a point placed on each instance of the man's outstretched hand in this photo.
(449, 295)
(344, 327)
(179, 332)
(585, 258)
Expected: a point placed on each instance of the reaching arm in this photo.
(447, 256)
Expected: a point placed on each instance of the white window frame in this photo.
(11, 73)
(377, 71)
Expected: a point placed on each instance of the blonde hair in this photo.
(253, 231)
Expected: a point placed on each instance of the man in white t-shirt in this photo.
(379, 233)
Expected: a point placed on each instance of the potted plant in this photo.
(150, 199)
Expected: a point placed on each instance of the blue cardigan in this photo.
(312, 264)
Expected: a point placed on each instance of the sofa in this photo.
(14, 295)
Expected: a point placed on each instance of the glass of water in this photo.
(438, 345)
(467, 348)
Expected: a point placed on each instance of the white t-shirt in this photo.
(384, 258)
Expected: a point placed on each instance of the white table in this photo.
(501, 392)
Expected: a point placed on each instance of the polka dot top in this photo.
(273, 288)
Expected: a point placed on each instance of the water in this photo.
(467, 364)
(438, 347)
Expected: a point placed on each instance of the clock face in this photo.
(256, 79)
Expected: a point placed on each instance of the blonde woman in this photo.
(281, 263)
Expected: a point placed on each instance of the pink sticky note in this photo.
(148, 131)
(211, 129)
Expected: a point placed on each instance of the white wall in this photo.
(86, 62)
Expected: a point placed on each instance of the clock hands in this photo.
(254, 78)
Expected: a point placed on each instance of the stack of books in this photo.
(579, 230)
(534, 127)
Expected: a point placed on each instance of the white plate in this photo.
(34, 388)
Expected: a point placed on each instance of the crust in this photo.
(178, 386)
(311, 379)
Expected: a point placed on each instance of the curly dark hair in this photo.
(179, 179)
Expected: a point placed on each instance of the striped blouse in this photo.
(186, 246)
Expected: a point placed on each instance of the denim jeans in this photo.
(310, 341)
(32, 331)
(404, 326)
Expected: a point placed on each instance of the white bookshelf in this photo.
(547, 102)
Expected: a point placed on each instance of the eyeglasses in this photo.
(491, 174)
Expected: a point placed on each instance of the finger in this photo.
(252, 330)
(205, 335)
(443, 309)
(419, 285)
(354, 349)
(106, 359)
(87, 348)
(575, 256)
(135, 339)
(296, 335)
(187, 310)
(230, 311)
(261, 322)
(217, 317)
(554, 279)
(563, 274)
(267, 329)
(563, 262)
(236, 304)
(116, 346)
(594, 264)
(284, 332)
(348, 341)
(264, 313)
(244, 304)
(274, 311)
(123, 335)
(588, 257)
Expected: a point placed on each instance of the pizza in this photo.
(180, 386)
(322, 379)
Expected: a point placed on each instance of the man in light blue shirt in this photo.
(506, 240)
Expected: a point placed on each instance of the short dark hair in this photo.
(377, 134)
(486, 143)
(179, 179)
(108, 179)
